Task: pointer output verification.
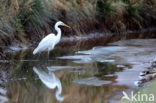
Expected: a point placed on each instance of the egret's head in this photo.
(60, 23)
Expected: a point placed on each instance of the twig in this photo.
(4, 32)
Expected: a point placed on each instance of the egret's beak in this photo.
(66, 26)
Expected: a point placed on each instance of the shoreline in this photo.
(145, 33)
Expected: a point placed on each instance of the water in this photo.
(80, 74)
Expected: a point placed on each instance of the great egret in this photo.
(50, 81)
(49, 42)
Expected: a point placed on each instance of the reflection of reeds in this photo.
(32, 17)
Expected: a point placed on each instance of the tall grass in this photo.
(78, 14)
(29, 19)
(20, 17)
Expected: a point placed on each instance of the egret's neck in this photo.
(58, 92)
(58, 31)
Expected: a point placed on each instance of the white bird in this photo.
(49, 42)
(50, 81)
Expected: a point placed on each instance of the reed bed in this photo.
(23, 20)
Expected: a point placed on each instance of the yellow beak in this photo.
(66, 26)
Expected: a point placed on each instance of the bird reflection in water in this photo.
(51, 81)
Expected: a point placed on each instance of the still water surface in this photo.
(97, 74)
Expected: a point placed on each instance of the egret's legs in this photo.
(48, 54)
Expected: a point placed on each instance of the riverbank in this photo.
(25, 21)
(90, 39)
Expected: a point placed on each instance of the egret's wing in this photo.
(48, 38)
(46, 42)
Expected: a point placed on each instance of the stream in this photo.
(76, 74)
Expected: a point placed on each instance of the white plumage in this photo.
(49, 42)
(50, 81)
(46, 44)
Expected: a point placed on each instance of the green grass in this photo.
(150, 89)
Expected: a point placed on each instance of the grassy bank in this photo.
(144, 95)
(23, 20)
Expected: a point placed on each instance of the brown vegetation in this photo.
(22, 20)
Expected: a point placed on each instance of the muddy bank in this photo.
(85, 40)
(147, 75)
